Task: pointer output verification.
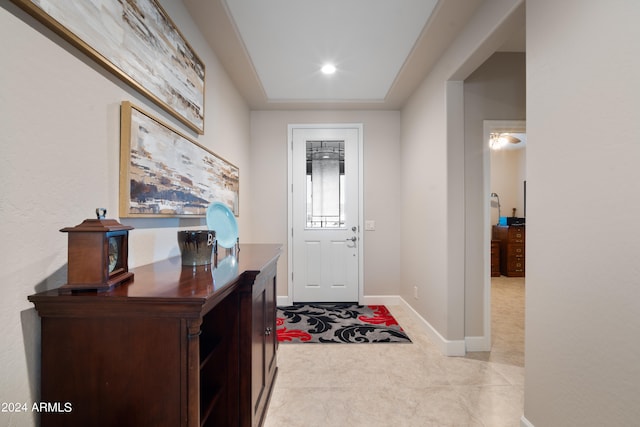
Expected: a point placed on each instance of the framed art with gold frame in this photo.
(139, 43)
(164, 173)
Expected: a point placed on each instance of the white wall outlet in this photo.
(370, 225)
(415, 292)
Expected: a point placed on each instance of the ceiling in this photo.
(273, 50)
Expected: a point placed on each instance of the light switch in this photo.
(369, 225)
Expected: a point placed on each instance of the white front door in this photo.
(325, 214)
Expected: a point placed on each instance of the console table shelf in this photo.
(176, 346)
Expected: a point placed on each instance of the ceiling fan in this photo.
(500, 140)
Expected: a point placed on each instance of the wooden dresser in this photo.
(495, 258)
(177, 346)
(512, 253)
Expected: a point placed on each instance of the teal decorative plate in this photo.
(221, 219)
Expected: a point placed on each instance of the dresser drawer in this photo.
(512, 248)
(515, 267)
(516, 234)
(515, 250)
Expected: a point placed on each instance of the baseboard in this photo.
(478, 343)
(447, 347)
(525, 422)
(381, 300)
(283, 301)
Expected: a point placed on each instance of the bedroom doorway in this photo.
(501, 163)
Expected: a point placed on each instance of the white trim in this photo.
(446, 347)
(381, 300)
(361, 232)
(283, 301)
(289, 214)
(481, 343)
(489, 126)
(360, 128)
(524, 422)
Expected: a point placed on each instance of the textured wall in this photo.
(59, 160)
(583, 248)
(433, 174)
(381, 130)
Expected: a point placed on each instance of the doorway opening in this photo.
(504, 181)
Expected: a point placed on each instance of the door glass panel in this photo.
(325, 184)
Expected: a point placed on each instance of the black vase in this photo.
(197, 246)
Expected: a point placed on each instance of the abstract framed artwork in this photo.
(163, 173)
(138, 42)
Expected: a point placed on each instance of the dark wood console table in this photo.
(176, 346)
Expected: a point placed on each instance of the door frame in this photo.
(361, 234)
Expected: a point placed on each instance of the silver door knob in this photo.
(353, 239)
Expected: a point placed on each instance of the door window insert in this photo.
(325, 184)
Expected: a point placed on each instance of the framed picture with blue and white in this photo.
(164, 173)
(137, 41)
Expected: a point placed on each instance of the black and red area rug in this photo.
(338, 323)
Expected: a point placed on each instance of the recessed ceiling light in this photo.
(328, 69)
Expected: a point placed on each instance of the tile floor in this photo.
(394, 385)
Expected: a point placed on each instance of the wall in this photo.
(381, 187)
(433, 176)
(583, 248)
(508, 173)
(496, 90)
(59, 160)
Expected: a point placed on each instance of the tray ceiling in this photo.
(382, 49)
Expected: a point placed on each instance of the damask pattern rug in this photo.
(338, 323)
